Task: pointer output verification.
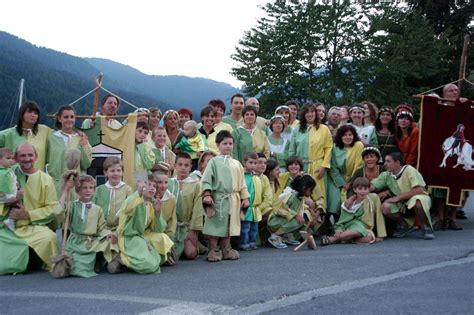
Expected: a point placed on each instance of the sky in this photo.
(193, 38)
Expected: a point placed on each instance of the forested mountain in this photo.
(54, 78)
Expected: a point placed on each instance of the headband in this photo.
(404, 113)
(357, 107)
(282, 107)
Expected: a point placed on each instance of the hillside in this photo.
(54, 78)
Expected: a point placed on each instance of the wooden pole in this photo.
(462, 66)
(98, 83)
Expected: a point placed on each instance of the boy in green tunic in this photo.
(144, 156)
(88, 233)
(357, 217)
(111, 195)
(142, 243)
(250, 216)
(168, 202)
(404, 196)
(189, 212)
(224, 193)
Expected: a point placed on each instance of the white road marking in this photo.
(343, 287)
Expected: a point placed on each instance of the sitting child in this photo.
(161, 150)
(293, 212)
(88, 233)
(143, 245)
(111, 195)
(358, 216)
(192, 143)
(8, 185)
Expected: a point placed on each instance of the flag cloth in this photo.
(106, 141)
(445, 147)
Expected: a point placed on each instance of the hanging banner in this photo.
(445, 146)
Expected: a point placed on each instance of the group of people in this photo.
(213, 187)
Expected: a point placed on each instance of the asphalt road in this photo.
(409, 275)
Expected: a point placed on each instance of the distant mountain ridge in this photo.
(54, 78)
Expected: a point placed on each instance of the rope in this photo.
(80, 98)
(123, 100)
(471, 83)
(441, 86)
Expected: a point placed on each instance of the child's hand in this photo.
(19, 195)
(244, 204)
(84, 141)
(157, 206)
(141, 187)
(113, 238)
(299, 218)
(69, 184)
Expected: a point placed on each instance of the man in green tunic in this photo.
(405, 188)
(237, 103)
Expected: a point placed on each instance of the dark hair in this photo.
(104, 99)
(302, 182)
(261, 155)
(208, 109)
(303, 123)
(274, 120)
(292, 102)
(294, 159)
(271, 165)
(203, 156)
(185, 111)
(361, 182)
(61, 109)
(340, 133)
(399, 133)
(396, 156)
(250, 156)
(217, 103)
(236, 95)
(373, 110)
(391, 125)
(26, 107)
(143, 125)
(182, 155)
(370, 150)
(250, 108)
(221, 135)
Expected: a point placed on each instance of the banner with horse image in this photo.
(445, 146)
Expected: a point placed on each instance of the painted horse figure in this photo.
(450, 148)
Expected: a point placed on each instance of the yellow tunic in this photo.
(40, 200)
(211, 140)
(168, 213)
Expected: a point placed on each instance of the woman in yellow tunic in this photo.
(312, 142)
(28, 130)
(248, 138)
(62, 140)
(346, 159)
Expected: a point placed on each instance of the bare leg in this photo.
(420, 213)
(190, 249)
(393, 216)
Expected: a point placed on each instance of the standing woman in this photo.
(407, 137)
(249, 138)
(278, 144)
(285, 112)
(170, 120)
(322, 114)
(312, 142)
(385, 129)
(346, 159)
(366, 133)
(62, 140)
(371, 112)
(28, 130)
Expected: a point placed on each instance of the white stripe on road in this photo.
(168, 306)
(343, 287)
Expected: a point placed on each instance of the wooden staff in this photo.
(462, 66)
(98, 83)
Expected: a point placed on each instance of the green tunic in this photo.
(9, 138)
(344, 162)
(234, 124)
(364, 219)
(280, 148)
(57, 148)
(192, 145)
(283, 217)
(251, 189)
(168, 213)
(137, 229)
(189, 211)
(227, 192)
(144, 157)
(14, 250)
(110, 199)
(88, 236)
(406, 180)
(245, 142)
